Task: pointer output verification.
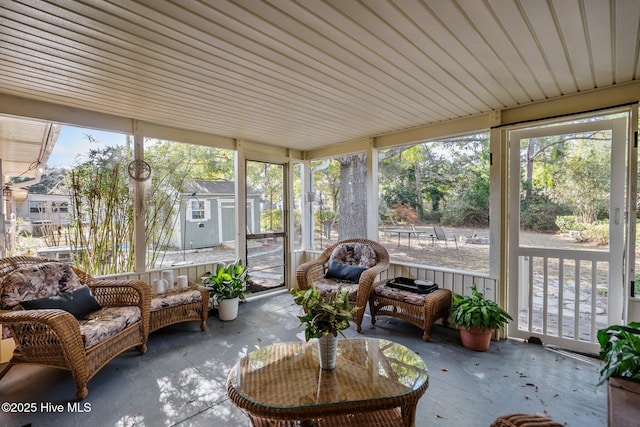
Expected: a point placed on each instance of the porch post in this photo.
(3, 216)
(139, 244)
(372, 191)
(498, 216)
(241, 201)
(306, 208)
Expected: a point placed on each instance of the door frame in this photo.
(619, 242)
(286, 203)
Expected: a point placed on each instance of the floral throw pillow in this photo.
(358, 254)
(37, 281)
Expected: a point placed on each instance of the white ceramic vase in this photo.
(228, 308)
(327, 349)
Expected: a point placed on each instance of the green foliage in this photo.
(620, 351)
(475, 310)
(322, 216)
(102, 217)
(52, 181)
(102, 201)
(323, 314)
(598, 232)
(584, 179)
(229, 281)
(433, 217)
(539, 213)
(566, 223)
(462, 212)
(471, 207)
(271, 220)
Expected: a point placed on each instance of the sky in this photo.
(72, 143)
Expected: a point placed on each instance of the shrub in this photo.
(568, 223)
(433, 217)
(598, 232)
(405, 213)
(462, 213)
(539, 213)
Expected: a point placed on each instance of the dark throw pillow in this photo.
(78, 302)
(344, 272)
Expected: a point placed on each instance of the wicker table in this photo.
(375, 383)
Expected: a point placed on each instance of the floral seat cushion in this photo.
(175, 299)
(329, 286)
(400, 295)
(105, 323)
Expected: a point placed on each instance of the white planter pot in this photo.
(327, 349)
(228, 308)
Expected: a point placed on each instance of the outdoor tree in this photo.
(52, 181)
(101, 226)
(353, 197)
(267, 179)
(584, 181)
(454, 170)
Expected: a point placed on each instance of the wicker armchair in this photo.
(53, 337)
(314, 272)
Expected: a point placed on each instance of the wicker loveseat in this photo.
(351, 265)
(70, 338)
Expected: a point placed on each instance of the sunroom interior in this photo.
(293, 84)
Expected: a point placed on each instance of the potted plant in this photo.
(620, 351)
(324, 317)
(227, 287)
(477, 318)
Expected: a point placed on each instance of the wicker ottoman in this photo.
(420, 309)
(179, 305)
(524, 420)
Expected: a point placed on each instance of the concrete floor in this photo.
(180, 381)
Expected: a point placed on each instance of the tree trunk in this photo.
(529, 168)
(353, 197)
(419, 202)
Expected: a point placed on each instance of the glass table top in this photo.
(288, 375)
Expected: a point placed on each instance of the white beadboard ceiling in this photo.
(309, 73)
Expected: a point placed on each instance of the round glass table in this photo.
(375, 382)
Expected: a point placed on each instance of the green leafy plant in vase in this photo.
(324, 317)
(477, 318)
(227, 286)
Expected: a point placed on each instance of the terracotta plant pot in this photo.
(623, 395)
(475, 339)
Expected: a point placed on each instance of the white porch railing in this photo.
(562, 296)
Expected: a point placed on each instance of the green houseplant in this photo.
(324, 317)
(620, 351)
(227, 287)
(477, 318)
